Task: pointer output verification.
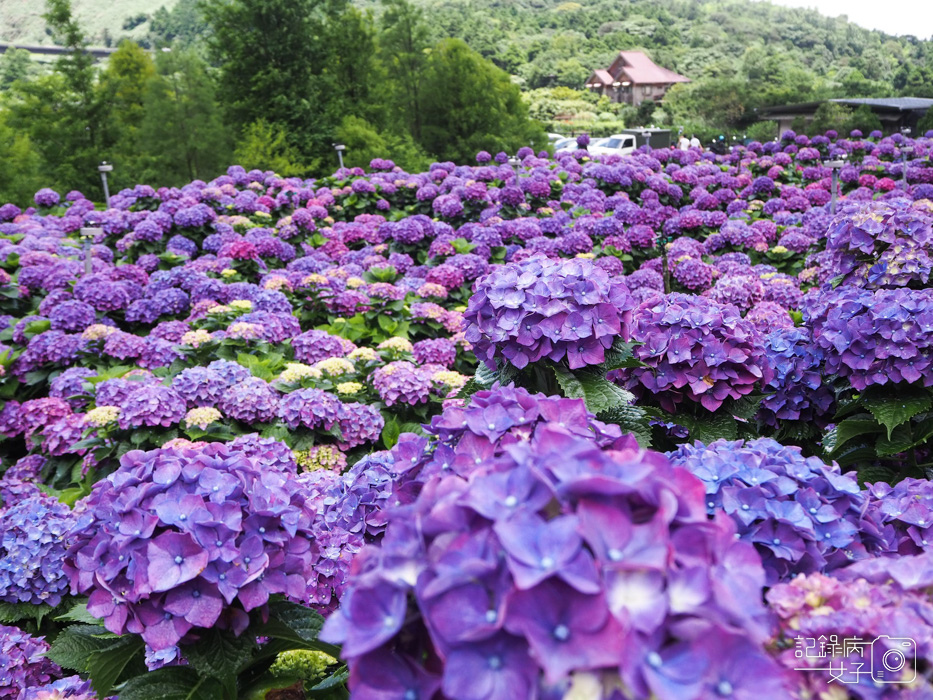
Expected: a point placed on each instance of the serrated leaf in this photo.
(74, 646)
(387, 324)
(105, 666)
(895, 406)
(903, 438)
(746, 407)
(221, 655)
(570, 385)
(855, 453)
(470, 388)
(598, 393)
(620, 356)
(630, 419)
(390, 431)
(332, 686)
(872, 474)
(851, 428)
(484, 376)
(717, 426)
(79, 613)
(172, 683)
(13, 612)
(297, 624)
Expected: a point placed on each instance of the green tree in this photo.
(762, 131)
(42, 110)
(364, 143)
(864, 119)
(263, 146)
(182, 133)
(830, 115)
(15, 64)
(22, 178)
(123, 85)
(61, 113)
(273, 57)
(470, 105)
(359, 78)
(403, 43)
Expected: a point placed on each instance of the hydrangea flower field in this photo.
(571, 427)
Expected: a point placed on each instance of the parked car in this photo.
(617, 144)
(553, 138)
(565, 144)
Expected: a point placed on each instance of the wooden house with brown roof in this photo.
(633, 78)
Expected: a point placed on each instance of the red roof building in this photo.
(633, 78)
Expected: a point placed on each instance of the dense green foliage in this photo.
(275, 84)
(280, 81)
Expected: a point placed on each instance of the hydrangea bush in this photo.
(548, 529)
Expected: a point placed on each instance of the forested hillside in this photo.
(430, 79)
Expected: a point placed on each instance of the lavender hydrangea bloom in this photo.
(311, 408)
(402, 382)
(151, 405)
(873, 337)
(230, 372)
(359, 424)
(864, 601)
(72, 316)
(802, 515)
(534, 567)
(741, 290)
(47, 197)
(192, 539)
(438, 351)
(797, 390)
(70, 688)
(199, 386)
(903, 514)
(695, 350)
(251, 400)
(881, 245)
(32, 549)
(23, 663)
(314, 346)
(69, 385)
(540, 308)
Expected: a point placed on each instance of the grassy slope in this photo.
(21, 20)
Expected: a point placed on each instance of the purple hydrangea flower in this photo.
(873, 337)
(182, 539)
(556, 309)
(695, 350)
(32, 548)
(23, 663)
(438, 351)
(250, 400)
(532, 566)
(881, 245)
(311, 408)
(152, 405)
(797, 390)
(199, 386)
(402, 382)
(359, 424)
(72, 316)
(802, 515)
(314, 346)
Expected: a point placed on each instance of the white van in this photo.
(617, 144)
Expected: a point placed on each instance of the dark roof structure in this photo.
(894, 112)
